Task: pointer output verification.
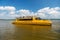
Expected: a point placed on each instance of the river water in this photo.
(8, 31)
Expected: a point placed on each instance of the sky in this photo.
(46, 9)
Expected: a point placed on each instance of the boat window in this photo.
(25, 19)
(38, 18)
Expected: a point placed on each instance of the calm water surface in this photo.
(9, 31)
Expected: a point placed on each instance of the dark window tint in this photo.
(38, 18)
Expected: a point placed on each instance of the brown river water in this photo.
(8, 31)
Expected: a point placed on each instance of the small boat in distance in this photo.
(32, 20)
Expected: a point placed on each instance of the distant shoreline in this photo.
(42, 19)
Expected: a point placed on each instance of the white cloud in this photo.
(5, 11)
(24, 12)
(1, 14)
(49, 13)
(45, 13)
(11, 8)
(12, 12)
(7, 8)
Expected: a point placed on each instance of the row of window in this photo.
(24, 19)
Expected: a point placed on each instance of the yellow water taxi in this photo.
(31, 20)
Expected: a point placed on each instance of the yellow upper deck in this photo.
(27, 18)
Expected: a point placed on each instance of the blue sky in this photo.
(30, 4)
(30, 7)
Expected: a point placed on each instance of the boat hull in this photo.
(36, 22)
